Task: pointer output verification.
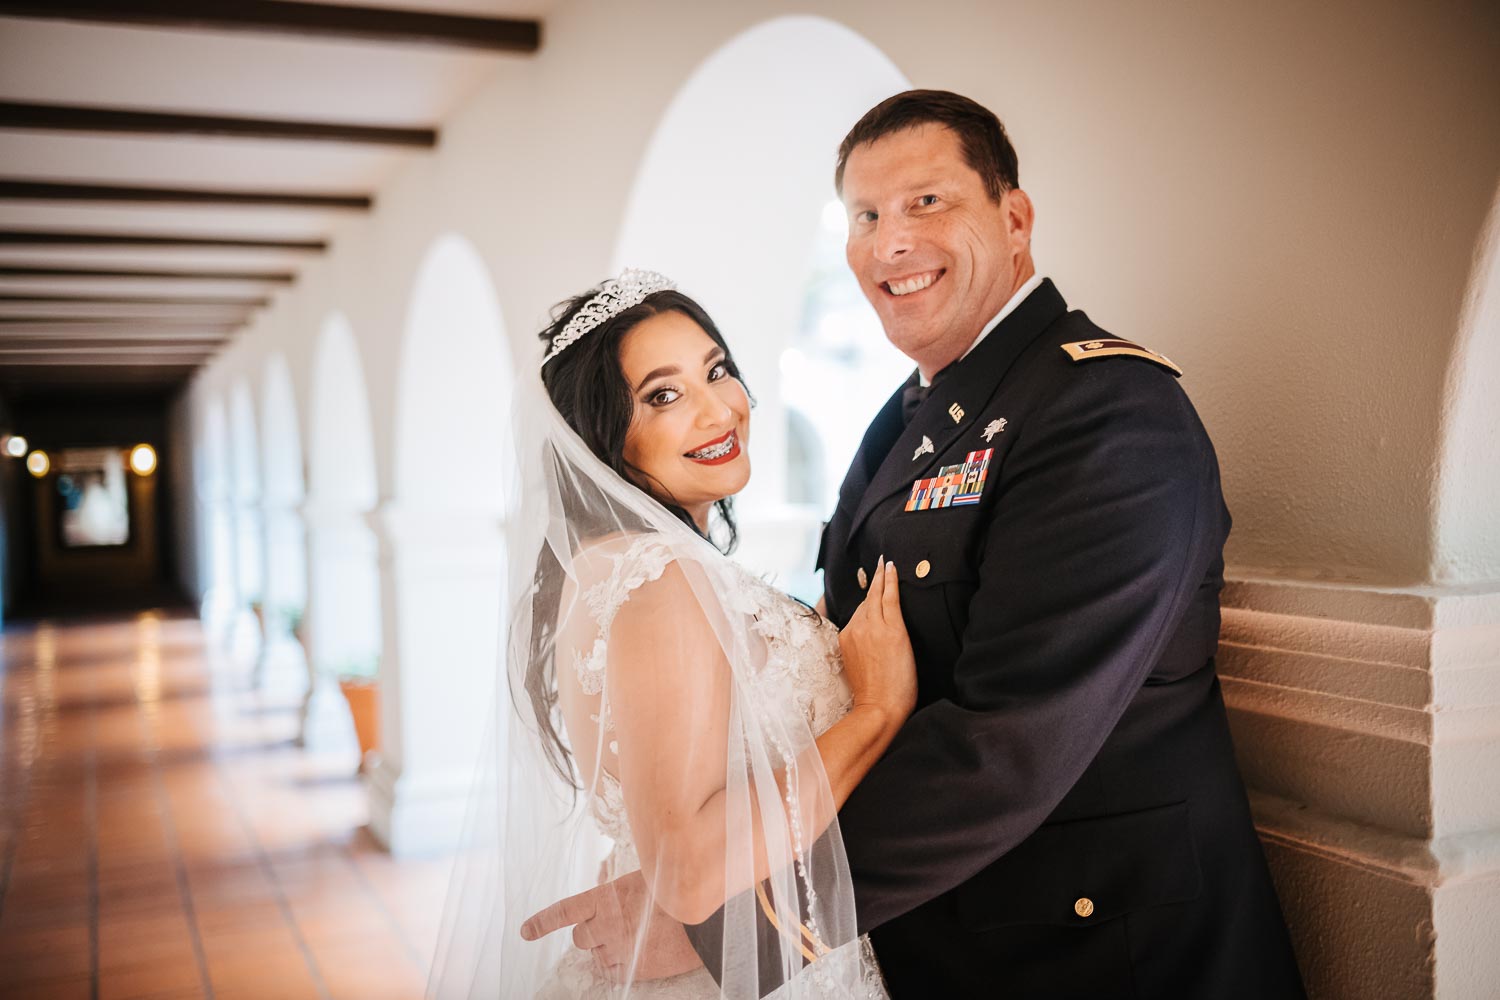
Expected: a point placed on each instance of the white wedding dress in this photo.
(802, 669)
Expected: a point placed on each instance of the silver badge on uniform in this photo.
(925, 448)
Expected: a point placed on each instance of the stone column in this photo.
(442, 577)
(1367, 723)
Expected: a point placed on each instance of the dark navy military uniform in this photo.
(1062, 815)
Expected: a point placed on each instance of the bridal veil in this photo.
(623, 620)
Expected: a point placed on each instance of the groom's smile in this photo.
(912, 284)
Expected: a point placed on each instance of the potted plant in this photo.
(358, 680)
(292, 616)
(295, 619)
(263, 643)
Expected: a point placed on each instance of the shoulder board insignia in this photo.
(1083, 350)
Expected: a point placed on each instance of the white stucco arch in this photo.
(738, 237)
(453, 388)
(281, 439)
(343, 591)
(215, 502)
(1466, 533)
(283, 489)
(341, 459)
(442, 546)
(245, 479)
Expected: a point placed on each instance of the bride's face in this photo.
(691, 424)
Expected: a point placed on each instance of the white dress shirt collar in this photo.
(1015, 300)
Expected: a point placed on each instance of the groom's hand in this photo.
(606, 922)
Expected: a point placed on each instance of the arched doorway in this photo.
(748, 243)
(284, 569)
(215, 505)
(442, 541)
(245, 513)
(343, 627)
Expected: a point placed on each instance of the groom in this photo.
(1062, 815)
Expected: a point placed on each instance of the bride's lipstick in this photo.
(720, 450)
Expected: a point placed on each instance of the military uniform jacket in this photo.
(1062, 814)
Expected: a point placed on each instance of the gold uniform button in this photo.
(863, 578)
(1084, 907)
(923, 568)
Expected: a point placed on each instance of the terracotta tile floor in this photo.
(161, 836)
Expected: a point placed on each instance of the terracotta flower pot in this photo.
(363, 696)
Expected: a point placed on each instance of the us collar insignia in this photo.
(953, 486)
(925, 448)
(992, 428)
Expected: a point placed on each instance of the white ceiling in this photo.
(219, 73)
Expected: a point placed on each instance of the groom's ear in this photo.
(1020, 215)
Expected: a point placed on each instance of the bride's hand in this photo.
(878, 659)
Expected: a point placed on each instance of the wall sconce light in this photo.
(37, 463)
(143, 459)
(14, 445)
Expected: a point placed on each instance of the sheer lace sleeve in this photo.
(620, 570)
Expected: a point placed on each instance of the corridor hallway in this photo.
(161, 836)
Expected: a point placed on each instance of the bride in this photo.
(686, 733)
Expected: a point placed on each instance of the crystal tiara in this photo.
(615, 296)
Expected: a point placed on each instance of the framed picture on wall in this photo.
(93, 501)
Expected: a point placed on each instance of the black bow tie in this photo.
(914, 395)
(912, 398)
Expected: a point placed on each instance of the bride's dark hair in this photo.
(588, 386)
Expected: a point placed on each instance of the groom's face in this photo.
(934, 253)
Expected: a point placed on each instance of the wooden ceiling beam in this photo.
(31, 189)
(24, 271)
(385, 25)
(11, 338)
(32, 298)
(45, 238)
(123, 330)
(95, 359)
(76, 118)
(121, 322)
(47, 343)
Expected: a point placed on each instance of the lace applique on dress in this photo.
(803, 653)
(643, 561)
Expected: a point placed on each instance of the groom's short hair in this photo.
(986, 147)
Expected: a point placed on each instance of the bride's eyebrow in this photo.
(661, 372)
(665, 370)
